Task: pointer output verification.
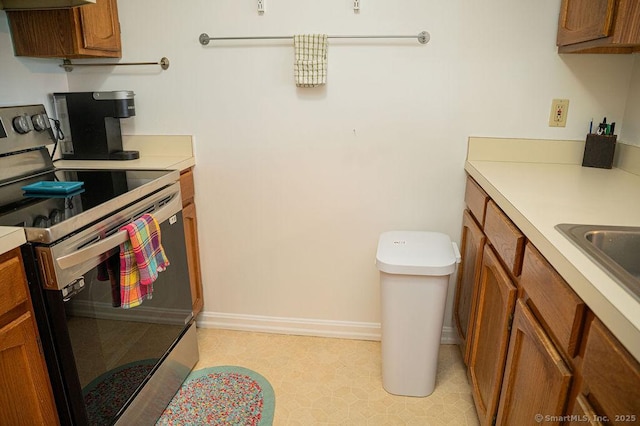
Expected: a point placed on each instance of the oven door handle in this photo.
(105, 245)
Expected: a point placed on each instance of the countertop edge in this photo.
(143, 163)
(10, 238)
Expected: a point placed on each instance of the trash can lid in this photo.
(416, 253)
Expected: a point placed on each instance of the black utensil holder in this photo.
(599, 151)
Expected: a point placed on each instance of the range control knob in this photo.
(40, 122)
(22, 124)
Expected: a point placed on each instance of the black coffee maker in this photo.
(90, 122)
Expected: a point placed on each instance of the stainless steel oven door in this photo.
(105, 354)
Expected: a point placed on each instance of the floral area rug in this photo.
(226, 395)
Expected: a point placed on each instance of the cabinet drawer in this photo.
(505, 237)
(187, 186)
(476, 199)
(610, 373)
(558, 308)
(12, 281)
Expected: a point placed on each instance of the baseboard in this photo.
(302, 326)
(449, 336)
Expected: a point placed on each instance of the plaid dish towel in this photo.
(141, 258)
(310, 67)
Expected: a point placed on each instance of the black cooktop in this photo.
(44, 210)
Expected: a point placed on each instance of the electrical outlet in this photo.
(261, 6)
(559, 111)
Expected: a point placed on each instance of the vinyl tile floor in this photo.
(325, 381)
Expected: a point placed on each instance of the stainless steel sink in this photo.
(616, 249)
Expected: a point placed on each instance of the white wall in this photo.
(631, 130)
(295, 185)
(26, 80)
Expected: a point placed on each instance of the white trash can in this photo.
(414, 275)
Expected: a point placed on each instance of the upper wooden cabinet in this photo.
(599, 26)
(82, 32)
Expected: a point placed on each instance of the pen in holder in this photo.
(599, 151)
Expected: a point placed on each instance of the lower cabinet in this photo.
(25, 392)
(187, 188)
(536, 353)
(536, 380)
(609, 391)
(193, 255)
(467, 283)
(496, 300)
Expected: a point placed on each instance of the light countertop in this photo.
(145, 162)
(157, 152)
(540, 190)
(11, 238)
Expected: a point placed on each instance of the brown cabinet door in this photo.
(585, 20)
(91, 30)
(496, 301)
(100, 26)
(611, 377)
(25, 391)
(467, 285)
(193, 255)
(12, 273)
(26, 397)
(536, 380)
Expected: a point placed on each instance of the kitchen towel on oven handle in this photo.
(142, 257)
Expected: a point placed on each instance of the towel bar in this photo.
(68, 66)
(423, 37)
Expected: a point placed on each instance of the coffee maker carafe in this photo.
(90, 122)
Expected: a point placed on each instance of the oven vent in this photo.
(148, 210)
(165, 200)
(116, 228)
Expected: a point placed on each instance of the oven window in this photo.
(116, 349)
